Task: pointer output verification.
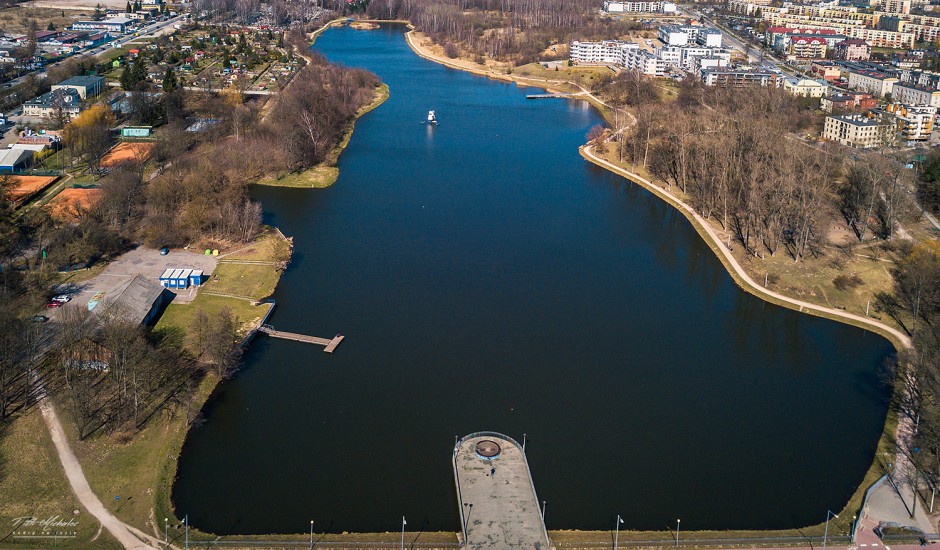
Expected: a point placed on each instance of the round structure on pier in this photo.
(487, 449)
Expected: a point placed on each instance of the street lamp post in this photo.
(829, 514)
(523, 442)
(677, 532)
(186, 520)
(854, 523)
(311, 533)
(166, 532)
(403, 524)
(617, 532)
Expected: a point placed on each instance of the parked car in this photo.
(52, 305)
(164, 251)
(62, 298)
(39, 319)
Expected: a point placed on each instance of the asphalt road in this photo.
(150, 30)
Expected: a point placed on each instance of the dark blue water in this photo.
(487, 278)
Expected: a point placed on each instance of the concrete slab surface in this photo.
(498, 500)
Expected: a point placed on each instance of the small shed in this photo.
(182, 278)
(165, 279)
(196, 277)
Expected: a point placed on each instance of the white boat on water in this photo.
(432, 119)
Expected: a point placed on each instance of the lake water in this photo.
(487, 278)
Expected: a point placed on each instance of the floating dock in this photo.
(329, 344)
(496, 496)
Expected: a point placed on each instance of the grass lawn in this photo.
(270, 247)
(255, 281)
(585, 76)
(13, 19)
(140, 469)
(33, 484)
(318, 177)
(178, 318)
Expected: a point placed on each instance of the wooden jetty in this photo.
(547, 96)
(329, 344)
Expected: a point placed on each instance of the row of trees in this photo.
(517, 30)
(735, 160)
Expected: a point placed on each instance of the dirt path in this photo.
(125, 534)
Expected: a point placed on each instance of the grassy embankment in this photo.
(33, 484)
(141, 469)
(810, 280)
(326, 173)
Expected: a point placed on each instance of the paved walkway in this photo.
(73, 471)
(731, 261)
(497, 497)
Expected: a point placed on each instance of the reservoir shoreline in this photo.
(704, 228)
(583, 534)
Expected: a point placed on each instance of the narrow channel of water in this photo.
(487, 278)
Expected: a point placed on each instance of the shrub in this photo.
(847, 282)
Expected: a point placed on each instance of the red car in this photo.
(53, 304)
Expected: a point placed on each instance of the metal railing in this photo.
(248, 543)
(505, 437)
(709, 543)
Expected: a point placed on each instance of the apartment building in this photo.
(879, 38)
(914, 123)
(858, 131)
(911, 94)
(877, 83)
(640, 7)
(852, 49)
(597, 53)
(739, 78)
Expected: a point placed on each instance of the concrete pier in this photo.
(497, 500)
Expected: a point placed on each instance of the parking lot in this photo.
(140, 261)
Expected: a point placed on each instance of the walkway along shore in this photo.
(898, 339)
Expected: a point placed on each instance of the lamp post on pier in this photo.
(829, 514)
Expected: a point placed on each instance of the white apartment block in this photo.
(675, 35)
(644, 62)
(857, 131)
(883, 39)
(874, 83)
(913, 95)
(620, 53)
(596, 53)
(897, 6)
(640, 7)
